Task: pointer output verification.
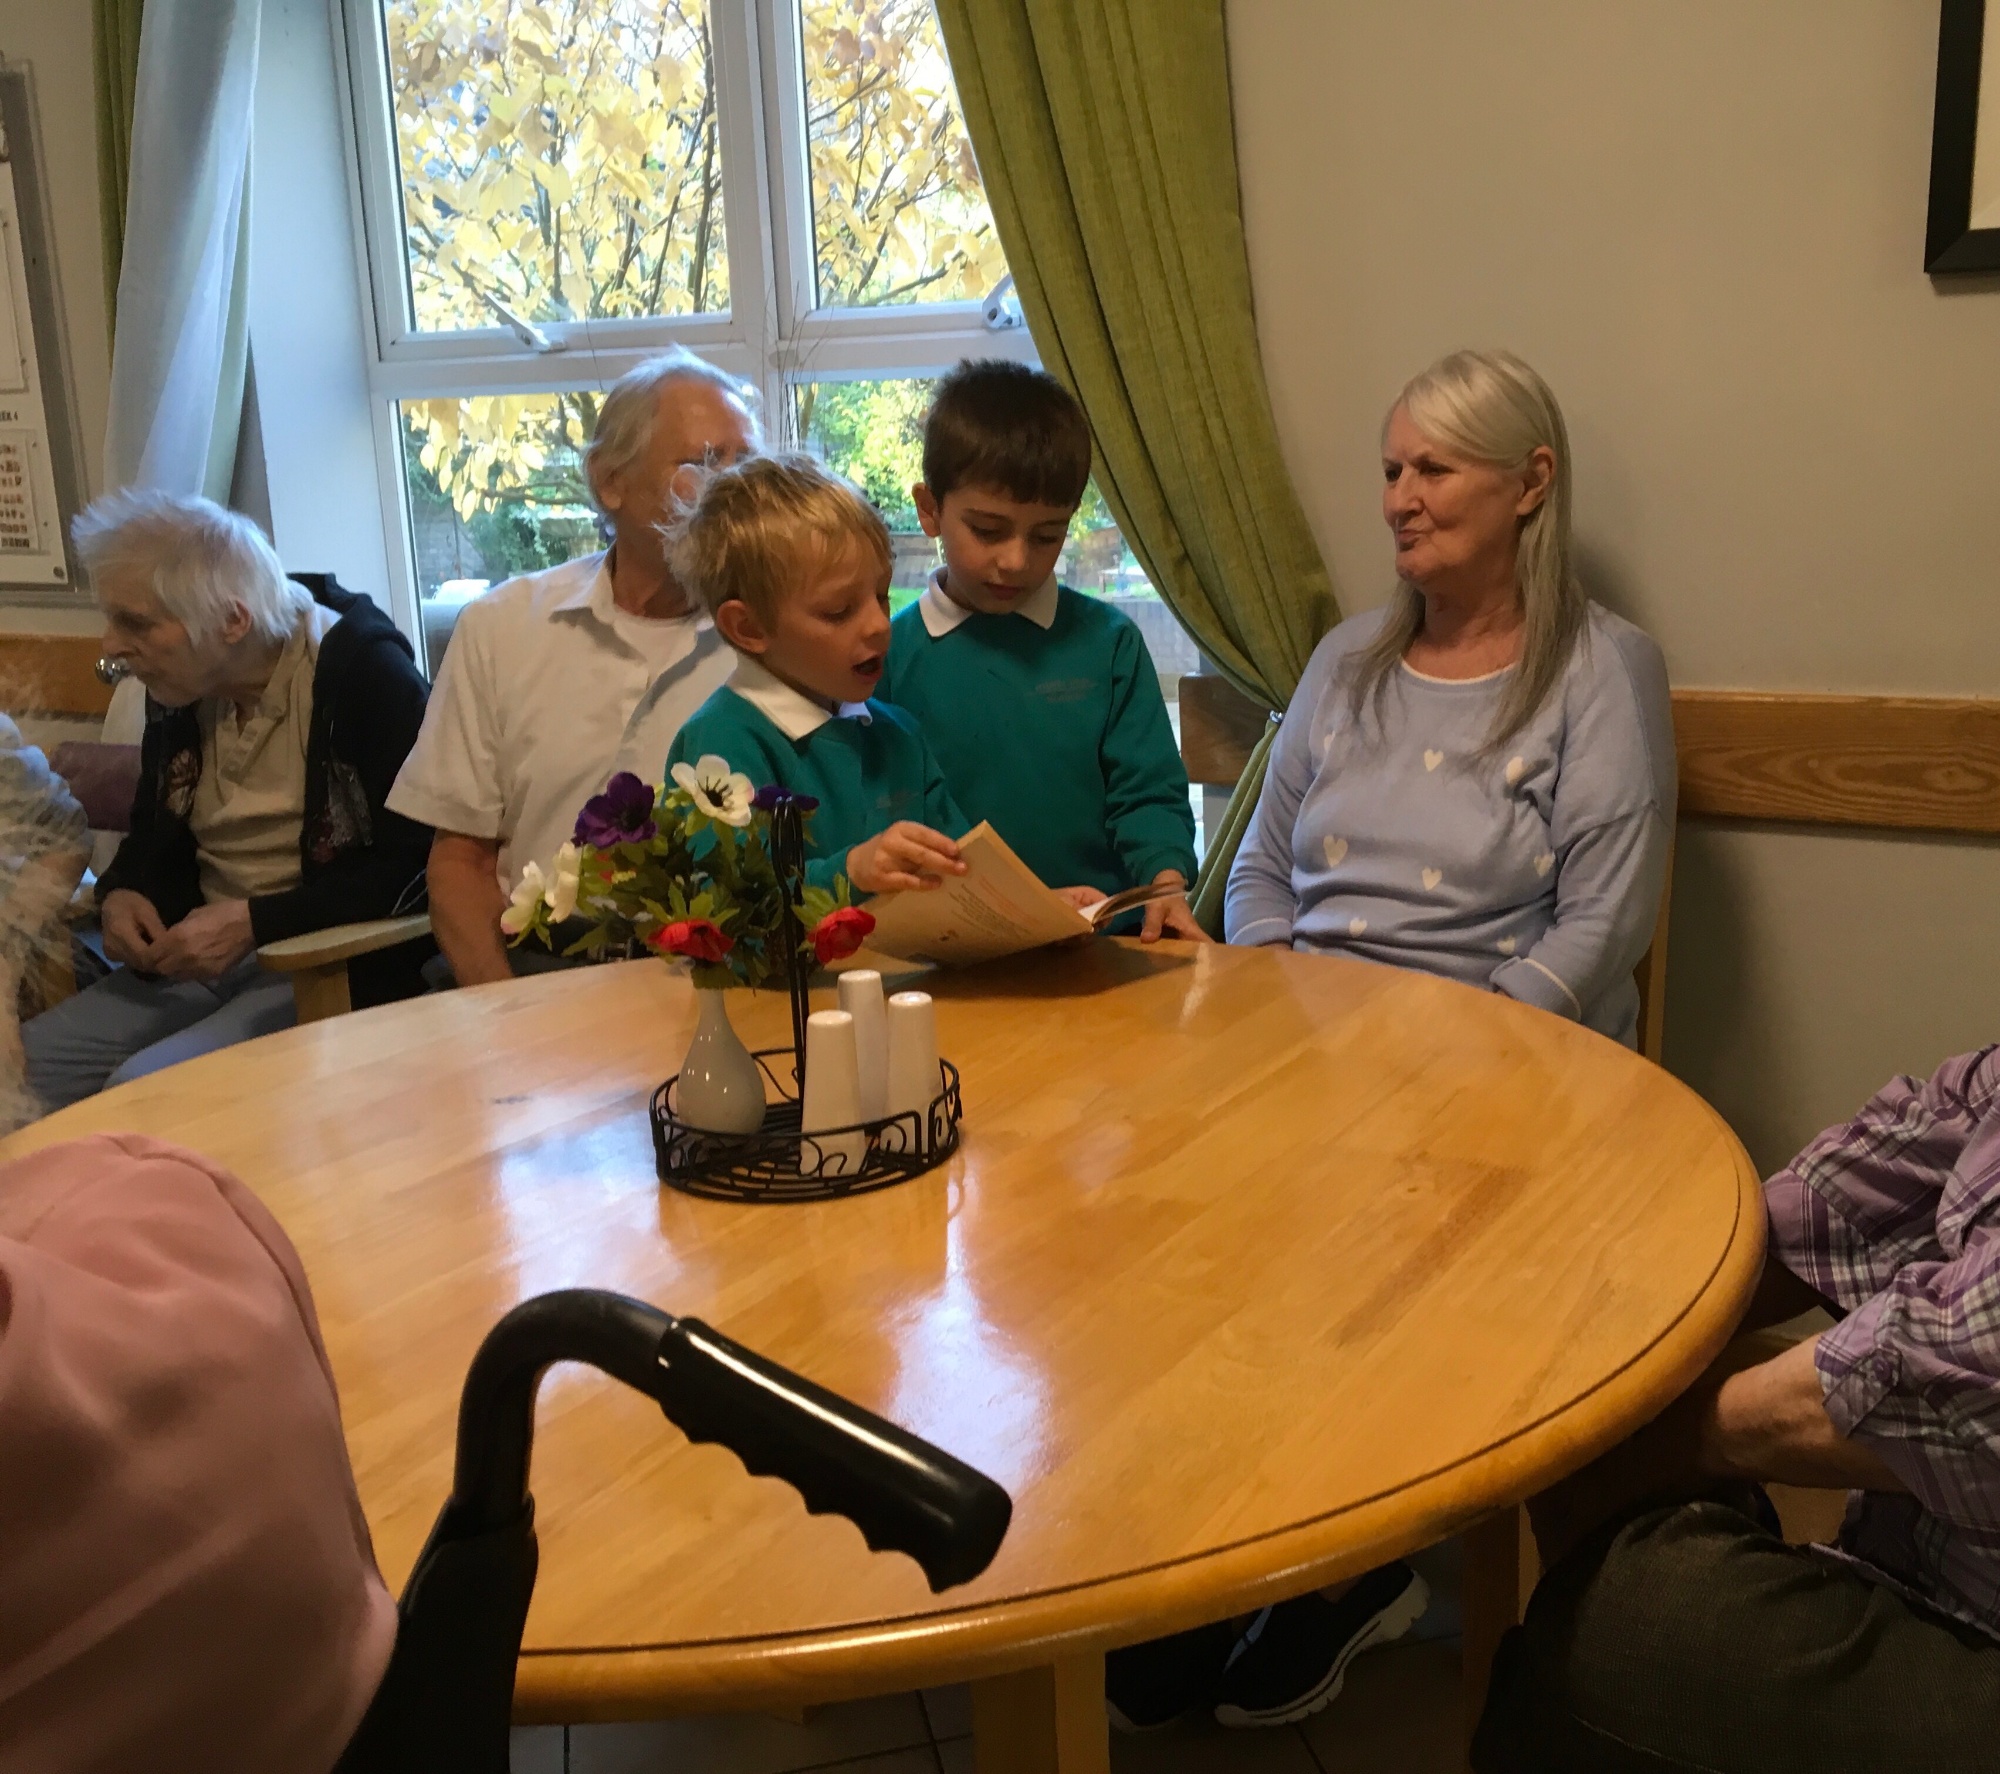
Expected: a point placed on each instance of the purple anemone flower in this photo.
(623, 814)
(774, 795)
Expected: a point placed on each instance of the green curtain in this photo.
(1108, 151)
(115, 44)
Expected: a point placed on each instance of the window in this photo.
(553, 190)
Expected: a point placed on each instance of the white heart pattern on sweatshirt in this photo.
(1506, 945)
(1545, 862)
(1432, 759)
(1355, 926)
(1516, 769)
(1336, 852)
(1432, 877)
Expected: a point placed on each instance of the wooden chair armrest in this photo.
(341, 942)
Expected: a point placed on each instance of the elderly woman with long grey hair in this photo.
(1478, 780)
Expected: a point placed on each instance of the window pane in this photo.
(872, 432)
(559, 159)
(899, 214)
(496, 488)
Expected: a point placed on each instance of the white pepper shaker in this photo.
(914, 1078)
(832, 1097)
(861, 998)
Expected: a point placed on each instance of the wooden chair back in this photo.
(1220, 727)
(53, 674)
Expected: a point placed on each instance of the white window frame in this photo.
(774, 336)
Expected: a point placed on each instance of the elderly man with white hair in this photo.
(555, 681)
(276, 724)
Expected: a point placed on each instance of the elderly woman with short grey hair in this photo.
(276, 722)
(1477, 780)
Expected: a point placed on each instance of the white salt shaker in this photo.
(832, 1095)
(914, 1079)
(861, 998)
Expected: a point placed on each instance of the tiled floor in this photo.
(1398, 1715)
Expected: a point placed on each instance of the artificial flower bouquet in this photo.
(684, 869)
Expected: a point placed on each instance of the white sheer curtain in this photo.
(183, 288)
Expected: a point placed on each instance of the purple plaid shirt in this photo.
(1896, 1216)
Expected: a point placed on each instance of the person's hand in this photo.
(205, 944)
(1172, 917)
(1083, 898)
(907, 857)
(132, 928)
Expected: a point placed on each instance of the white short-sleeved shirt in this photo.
(547, 690)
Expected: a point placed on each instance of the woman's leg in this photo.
(248, 1002)
(1690, 1638)
(73, 1050)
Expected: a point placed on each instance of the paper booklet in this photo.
(997, 907)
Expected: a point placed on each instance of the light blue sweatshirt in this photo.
(1536, 871)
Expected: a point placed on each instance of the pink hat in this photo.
(186, 1579)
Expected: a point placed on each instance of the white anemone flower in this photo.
(723, 794)
(562, 887)
(528, 893)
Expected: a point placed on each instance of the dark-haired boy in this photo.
(1041, 703)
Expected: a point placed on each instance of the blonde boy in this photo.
(793, 564)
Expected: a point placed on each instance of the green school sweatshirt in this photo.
(866, 775)
(1058, 736)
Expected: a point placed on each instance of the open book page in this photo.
(1118, 904)
(997, 907)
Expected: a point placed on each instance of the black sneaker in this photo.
(1294, 1661)
(1149, 1685)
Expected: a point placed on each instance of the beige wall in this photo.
(319, 472)
(1703, 220)
(53, 38)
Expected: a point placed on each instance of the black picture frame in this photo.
(1951, 244)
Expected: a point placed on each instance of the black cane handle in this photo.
(902, 1493)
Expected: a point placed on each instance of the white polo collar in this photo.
(792, 712)
(942, 615)
(592, 588)
(592, 592)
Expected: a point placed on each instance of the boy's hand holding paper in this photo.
(907, 858)
(995, 907)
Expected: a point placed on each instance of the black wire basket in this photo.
(779, 1162)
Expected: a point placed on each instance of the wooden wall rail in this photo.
(1928, 763)
(51, 674)
(1909, 763)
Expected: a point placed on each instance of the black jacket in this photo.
(357, 860)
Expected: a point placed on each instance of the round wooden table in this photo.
(1254, 1270)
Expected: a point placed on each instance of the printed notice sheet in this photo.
(997, 907)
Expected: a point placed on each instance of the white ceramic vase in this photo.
(721, 1089)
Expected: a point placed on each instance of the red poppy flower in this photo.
(696, 938)
(839, 934)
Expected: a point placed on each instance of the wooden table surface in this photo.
(1254, 1269)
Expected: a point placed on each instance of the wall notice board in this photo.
(40, 473)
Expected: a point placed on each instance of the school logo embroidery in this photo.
(1063, 690)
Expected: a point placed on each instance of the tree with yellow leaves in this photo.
(899, 214)
(561, 163)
